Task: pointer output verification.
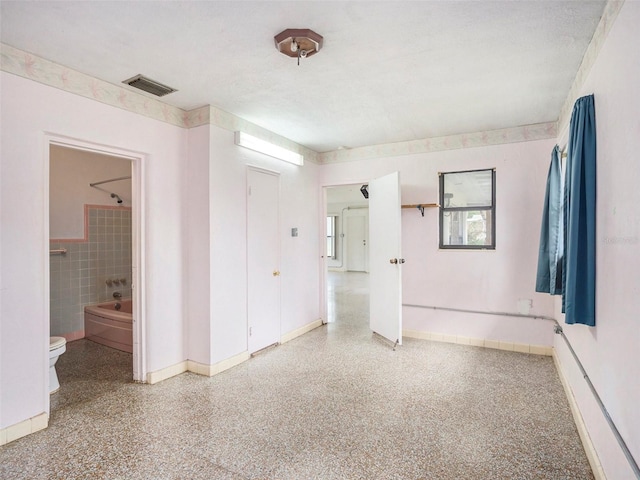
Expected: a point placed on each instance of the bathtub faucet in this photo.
(117, 295)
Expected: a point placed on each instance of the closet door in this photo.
(263, 259)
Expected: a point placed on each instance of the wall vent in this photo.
(149, 86)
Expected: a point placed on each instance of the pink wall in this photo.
(70, 174)
(300, 256)
(228, 219)
(195, 236)
(197, 211)
(474, 280)
(228, 227)
(28, 110)
(217, 246)
(609, 351)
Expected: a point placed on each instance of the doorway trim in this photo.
(138, 166)
(324, 261)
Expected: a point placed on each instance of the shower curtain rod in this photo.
(108, 181)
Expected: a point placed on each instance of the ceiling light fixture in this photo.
(258, 145)
(298, 42)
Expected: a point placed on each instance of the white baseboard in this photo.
(196, 367)
(587, 444)
(168, 372)
(480, 342)
(211, 370)
(24, 428)
(287, 337)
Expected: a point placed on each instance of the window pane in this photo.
(470, 227)
(331, 236)
(330, 222)
(468, 189)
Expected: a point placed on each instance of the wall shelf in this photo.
(421, 206)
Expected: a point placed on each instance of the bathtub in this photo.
(104, 324)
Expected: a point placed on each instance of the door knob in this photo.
(276, 273)
(393, 261)
(401, 260)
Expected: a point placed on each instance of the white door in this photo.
(385, 259)
(263, 259)
(357, 244)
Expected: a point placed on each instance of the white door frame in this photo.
(138, 164)
(322, 257)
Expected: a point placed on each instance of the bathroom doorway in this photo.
(95, 230)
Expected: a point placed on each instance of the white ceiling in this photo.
(388, 72)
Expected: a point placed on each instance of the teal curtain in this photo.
(549, 277)
(579, 262)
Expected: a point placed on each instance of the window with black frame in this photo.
(467, 209)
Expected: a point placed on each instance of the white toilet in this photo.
(57, 346)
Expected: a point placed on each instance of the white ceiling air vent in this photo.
(149, 86)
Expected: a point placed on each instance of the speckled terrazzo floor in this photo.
(336, 403)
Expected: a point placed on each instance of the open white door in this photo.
(385, 259)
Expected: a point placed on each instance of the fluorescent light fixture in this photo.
(252, 143)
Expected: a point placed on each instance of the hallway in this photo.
(336, 403)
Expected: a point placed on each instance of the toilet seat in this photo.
(56, 342)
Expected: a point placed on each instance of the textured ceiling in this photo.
(388, 71)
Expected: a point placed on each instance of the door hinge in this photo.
(250, 332)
